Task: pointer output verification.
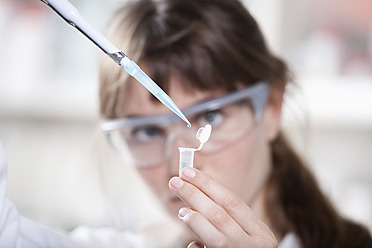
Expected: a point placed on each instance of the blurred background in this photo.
(49, 109)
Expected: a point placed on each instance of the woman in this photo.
(248, 188)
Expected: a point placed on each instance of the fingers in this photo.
(229, 201)
(210, 222)
(203, 228)
(217, 215)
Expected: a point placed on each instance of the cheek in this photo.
(243, 167)
(155, 178)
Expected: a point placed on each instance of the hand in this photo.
(217, 216)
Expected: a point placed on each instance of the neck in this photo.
(258, 206)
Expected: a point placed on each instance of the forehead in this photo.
(139, 101)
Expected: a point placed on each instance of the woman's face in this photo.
(243, 166)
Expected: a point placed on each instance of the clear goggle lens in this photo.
(151, 142)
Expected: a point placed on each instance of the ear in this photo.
(272, 113)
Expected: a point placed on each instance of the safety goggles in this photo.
(149, 139)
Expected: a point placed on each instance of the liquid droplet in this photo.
(188, 125)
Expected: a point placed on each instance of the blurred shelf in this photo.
(332, 101)
(72, 102)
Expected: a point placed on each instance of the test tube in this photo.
(186, 158)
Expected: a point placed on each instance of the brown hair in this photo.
(217, 45)
(201, 41)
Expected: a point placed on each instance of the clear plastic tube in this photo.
(186, 158)
(187, 154)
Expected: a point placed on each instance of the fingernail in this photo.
(183, 212)
(176, 182)
(188, 173)
(196, 244)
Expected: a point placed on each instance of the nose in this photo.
(181, 136)
(173, 162)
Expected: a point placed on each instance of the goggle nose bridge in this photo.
(177, 131)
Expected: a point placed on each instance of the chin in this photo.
(173, 206)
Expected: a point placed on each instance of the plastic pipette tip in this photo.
(135, 71)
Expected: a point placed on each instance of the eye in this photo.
(146, 134)
(213, 118)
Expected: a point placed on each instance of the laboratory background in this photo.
(61, 173)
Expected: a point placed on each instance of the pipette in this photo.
(72, 16)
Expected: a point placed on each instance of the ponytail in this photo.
(296, 204)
